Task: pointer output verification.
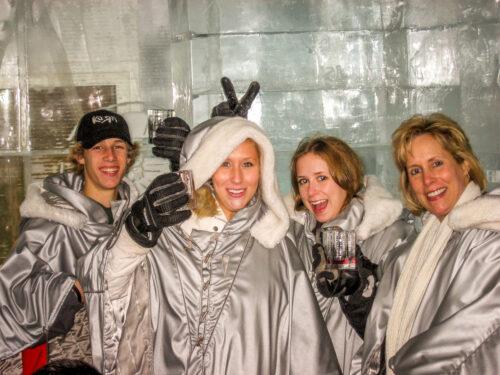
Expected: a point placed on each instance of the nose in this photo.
(236, 175)
(110, 154)
(311, 188)
(428, 177)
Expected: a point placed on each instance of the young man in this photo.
(62, 217)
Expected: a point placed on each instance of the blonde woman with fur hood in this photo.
(330, 191)
(225, 291)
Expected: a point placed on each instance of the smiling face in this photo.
(236, 181)
(104, 166)
(435, 177)
(319, 192)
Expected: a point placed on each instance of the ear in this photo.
(466, 169)
(80, 159)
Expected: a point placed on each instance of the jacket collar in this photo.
(481, 213)
(58, 199)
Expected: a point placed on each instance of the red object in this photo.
(34, 358)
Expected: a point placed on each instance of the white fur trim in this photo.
(35, 206)
(482, 213)
(298, 216)
(217, 145)
(381, 209)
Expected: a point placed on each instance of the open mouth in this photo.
(236, 193)
(111, 172)
(319, 206)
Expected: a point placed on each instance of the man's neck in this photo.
(104, 197)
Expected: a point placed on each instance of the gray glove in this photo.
(169, 138)
(157, 208)
(234, 107)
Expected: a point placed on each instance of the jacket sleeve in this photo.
(463, 337)
(33, 289)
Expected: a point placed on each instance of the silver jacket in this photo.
(457, 327)
(214, 299)
(58, 226)
(381, 224)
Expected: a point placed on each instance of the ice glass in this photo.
(339, 246)
(155, 119)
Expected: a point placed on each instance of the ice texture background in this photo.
(352, 69)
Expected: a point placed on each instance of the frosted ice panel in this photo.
(428, 13)
(206, 64)
(353, 114)
(479, 48)
(348, 59)
(41, 166)
(277, 61)
(9, 119)
(55, 111)
(433, 57)
(181, 86)
(378, 161)
(11, 196)
(284, 16)
(436, 99)
(287, 117)
(395, 58)
(392, 14)
(154, 53)
(481, 113)
(178, 16)
(283, 170)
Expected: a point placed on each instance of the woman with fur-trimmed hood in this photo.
(330, 191)
(223, 292)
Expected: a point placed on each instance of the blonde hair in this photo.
(76, 152)
(449, 135)
(344, 164)
(206, 203)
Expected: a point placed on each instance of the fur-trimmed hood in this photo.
(381, 209)
(211, 142)
(481, 213)
(58, 199)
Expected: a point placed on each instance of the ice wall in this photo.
(353, 69)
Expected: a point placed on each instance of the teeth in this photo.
(236, 191)
(109, 170)
(436, 192)
(318, 202)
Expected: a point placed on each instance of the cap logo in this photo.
(104, 119)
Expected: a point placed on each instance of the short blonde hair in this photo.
(76, 152)
(344, 164)
(449, 135)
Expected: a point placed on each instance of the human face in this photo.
(319, 192)
(237, 179)
(104, 166)
(436, 178)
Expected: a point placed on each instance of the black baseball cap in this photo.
(99, 125)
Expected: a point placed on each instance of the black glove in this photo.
(326, 279)
(169, 138)
(357, 306)
(157, 208)
(232, 107)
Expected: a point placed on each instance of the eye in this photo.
(322, 178)
(437, 163)
(414, 171)
(302, 181)
(226, 164)
(119, 147)
(248, 164)
(97, 148)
